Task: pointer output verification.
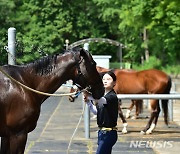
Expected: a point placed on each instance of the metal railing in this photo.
(160, 97)
(149, 96)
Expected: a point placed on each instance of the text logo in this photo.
(151, 144)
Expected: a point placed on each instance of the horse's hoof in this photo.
(133, 117)
(124, 131)
(128, 114)
(94, 117)
(136, 117)
(71, 99)
(142, 132)
(127, 117)
(148, 132)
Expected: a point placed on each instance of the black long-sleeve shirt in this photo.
(107, 114)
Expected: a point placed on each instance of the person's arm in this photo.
(100, 101)
(88, 99)
(92, 107)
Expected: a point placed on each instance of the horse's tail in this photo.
(165, 101)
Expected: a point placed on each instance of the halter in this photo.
(79, 74)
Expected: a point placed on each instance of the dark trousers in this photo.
(106, 140)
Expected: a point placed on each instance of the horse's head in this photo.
(87, 75)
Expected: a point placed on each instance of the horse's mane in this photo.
(44, 65)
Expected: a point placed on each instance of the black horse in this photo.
(20, 108)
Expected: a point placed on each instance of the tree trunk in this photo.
(145, 39)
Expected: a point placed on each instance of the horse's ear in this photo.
(83, 52)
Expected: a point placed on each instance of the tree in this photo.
(44, 25)
(159, 19)
(6, 11)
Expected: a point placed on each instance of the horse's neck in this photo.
(47, 83)
(47, 74)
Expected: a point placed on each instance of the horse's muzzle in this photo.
(97, 91)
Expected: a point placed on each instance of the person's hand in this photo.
(85, 96)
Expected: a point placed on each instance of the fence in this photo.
(170, 97)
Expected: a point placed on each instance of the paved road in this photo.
(59, 118)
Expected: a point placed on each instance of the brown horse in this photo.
(20, 108)
(150, 81)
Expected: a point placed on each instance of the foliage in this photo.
(159, 17)
(172, 69)
(153, 63)
(43, 26)
(169, 69)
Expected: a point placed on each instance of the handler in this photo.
(106, 109)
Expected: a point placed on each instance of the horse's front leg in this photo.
(124, 130)
(154, 113)
(138, 104)
(130, 108)
(154, 123)
(17, 143)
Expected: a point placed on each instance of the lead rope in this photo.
(77, 126)
(33, 90)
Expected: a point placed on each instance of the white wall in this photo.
(102, 60)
